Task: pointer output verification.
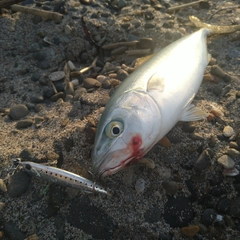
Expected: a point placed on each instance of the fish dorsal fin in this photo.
(192, 113)
(155, 82)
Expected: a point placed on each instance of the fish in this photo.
(61, 177)
(149, 102)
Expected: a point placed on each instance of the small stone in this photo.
(226, 162)
(37, 98)
(69, 89)
(51, 156)
(3, 186)
(178, 211)
(18, 111)
(208, 216)
(210, 117)
(164, 142)
(217, 90)
(234, 210)
(153, 215)
(228, 131)
(90, 134)
(122, 74)
(187, 127)
(149, 25)
(171, 187)
(91, 83)
(190, 231)
(147, 162)
(106, 84)
(223, 205)
(68, 29)
(217, 71)
(27, 154)
(230, 172)
(18, 184)
(25, 123)
(208, 77)
(140, 185)
(56, 76)
(35, 77)
(64, 122)
(57, 96)
(75, 82)
(12, 231)
(233, 153)
(203, 161)
(104, 100)
(234, 145)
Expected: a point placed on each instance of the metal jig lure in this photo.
(60, 176)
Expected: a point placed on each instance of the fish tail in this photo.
(215, 29)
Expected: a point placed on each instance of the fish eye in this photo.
(114, 129)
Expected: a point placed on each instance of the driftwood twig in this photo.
(42, 13)
(172, 9)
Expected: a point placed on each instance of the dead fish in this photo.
(150, 102)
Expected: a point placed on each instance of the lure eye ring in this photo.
(114, 129)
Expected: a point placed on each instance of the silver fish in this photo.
(150, 102)
(61, 177)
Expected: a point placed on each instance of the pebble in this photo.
(69, 89)
(217, 71)
(106, 84)
(235, 207)
(164, 142)
(223, 205)
(228, 131)
(233, 153)
(230, 172)
(208, 77)
(35, 77)
(188, 128)
(153, 215)
(37, 98)
(75, 82)
(56, 76)
(171, 187)
(178, 211)
(208, 217)
(203, 161)
(91, 83)
(27, 154)
(18, 184)
(57, 96)
(147, 162)
(18, 111)
(190, 231)
(83, 214)
(2, 205)
(234, 145)
(25, 123)
(140, 185)
(13, 232)
(145, 43)
(122, 74)
(90, 134)
(3, 186)
(226, 162)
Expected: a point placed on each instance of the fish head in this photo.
(127, 130)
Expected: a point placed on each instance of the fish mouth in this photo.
(106, 171)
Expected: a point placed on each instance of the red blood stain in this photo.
(134, 149)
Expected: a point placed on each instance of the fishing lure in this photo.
(60, 176)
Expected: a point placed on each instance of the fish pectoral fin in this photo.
(155, 82)
(192, 113)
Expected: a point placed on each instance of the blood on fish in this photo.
(134, 149)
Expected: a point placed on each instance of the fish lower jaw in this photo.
(110, 171)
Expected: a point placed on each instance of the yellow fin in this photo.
(140, 61)
(215, 28)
